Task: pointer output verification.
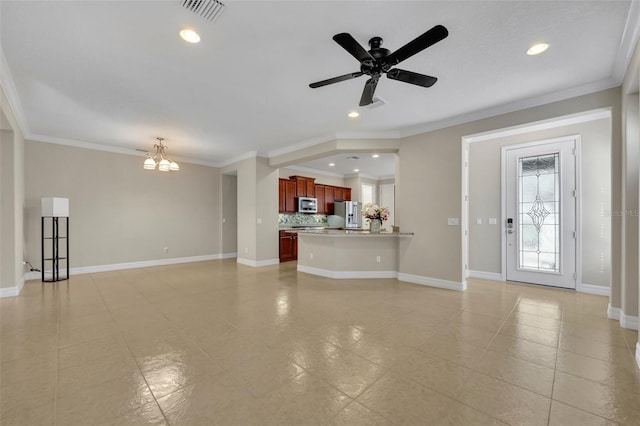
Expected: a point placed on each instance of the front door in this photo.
(540, 190)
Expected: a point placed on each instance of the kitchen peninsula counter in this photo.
(343, 253)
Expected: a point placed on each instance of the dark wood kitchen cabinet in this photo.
(322, 206)
(288, 246)
(305, 186)
(338, 194)
(329, 192)
(347, 194)
(287, 196)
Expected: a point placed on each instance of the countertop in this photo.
(349, 233)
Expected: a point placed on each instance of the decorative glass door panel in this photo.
(541, 213)
(538, 211)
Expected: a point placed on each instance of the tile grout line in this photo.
(132, 356)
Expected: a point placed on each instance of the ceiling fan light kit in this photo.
(378, 61)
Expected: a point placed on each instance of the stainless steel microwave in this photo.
(307, 205)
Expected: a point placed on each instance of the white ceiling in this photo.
(115, 73)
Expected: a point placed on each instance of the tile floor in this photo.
(220, 343)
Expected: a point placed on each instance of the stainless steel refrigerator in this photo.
(351, 211)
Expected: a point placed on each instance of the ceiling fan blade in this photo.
(418, 44)
(369, 90)
(335, 79)
(350, 44)
(411, 77)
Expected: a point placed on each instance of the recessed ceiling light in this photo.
(356, 170)
(332, 164)
(189, 35)
(375, 156)
(353, 114)
(537, 49)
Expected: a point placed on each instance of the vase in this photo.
(375, 225)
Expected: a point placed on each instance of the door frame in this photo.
(503, 200)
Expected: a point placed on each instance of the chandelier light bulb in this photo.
(149, 164)
(164, 165)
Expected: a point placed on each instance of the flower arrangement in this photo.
(373, 211)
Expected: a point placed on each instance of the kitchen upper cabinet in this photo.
(305, 186)
(320, 195)
(288, 246)
(287, 196)
(329, 194)
(347, 194)
(338, 194)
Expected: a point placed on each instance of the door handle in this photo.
(509, 225)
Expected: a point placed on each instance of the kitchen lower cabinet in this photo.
(288, 246)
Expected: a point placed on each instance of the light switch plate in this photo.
(492, 221)
(479, 221)
(453, 221)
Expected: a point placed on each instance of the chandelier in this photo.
(160, 159)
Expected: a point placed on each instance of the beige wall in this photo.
(266, 203)
(628, 300)
(429, 189)
(12, 195)
(257, 200)
(336, 253)
(321, 179)
(119, 212)
(229, 214)
(485, 198)
(629, 213)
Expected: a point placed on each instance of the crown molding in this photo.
(567, 120)
(9, 87)
(548, 98)
(627, 42)
(241, 157)
(383, 134)
(301, 145)
(312, 170)
(108, 148)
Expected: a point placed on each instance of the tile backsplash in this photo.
(301, 219)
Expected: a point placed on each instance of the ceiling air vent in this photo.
(208, 9)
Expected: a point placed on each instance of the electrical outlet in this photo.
(259, 220)
(378, 259)
(166, 249)
(453, 221)
(311, 256)
(479, 221)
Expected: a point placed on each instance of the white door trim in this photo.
(503, 201)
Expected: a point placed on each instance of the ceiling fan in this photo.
(379, 60)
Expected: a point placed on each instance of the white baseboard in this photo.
(495, 276)
(626, 321)
(613, 313)
(258, 263)
(593, 289)
(13, 291)
(638, 354)
(433, 282)
(345, 275)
